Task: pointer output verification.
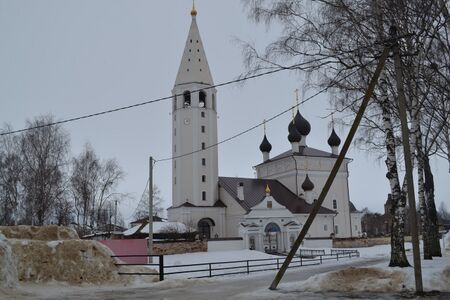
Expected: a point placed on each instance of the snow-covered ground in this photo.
(367, 274)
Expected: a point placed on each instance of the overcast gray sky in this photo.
(70, 58)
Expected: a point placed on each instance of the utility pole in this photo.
(115, 214)
(407, 156)
(150, 210)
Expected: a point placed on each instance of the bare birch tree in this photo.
(338, 39)
(10, 178)
(44, 157)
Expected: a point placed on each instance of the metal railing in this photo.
(160, 264)
(222, 268)
(311, 252)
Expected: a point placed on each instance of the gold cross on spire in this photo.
(193, 11)
(264, 124)
(332, 120)
(296, 97)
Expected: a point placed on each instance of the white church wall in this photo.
(318, 169)
(356, 224)
(190, 216)
(318, 243)
(322, 226)
(233, 214)
(225, 245)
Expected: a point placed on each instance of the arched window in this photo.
(187, 99)
(202, 99)
(272, 227)
(334, 204)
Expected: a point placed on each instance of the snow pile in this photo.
(355, 280)
(379, 279)
(72, 261)
(8, 271)
(45, 233)
(54, 253)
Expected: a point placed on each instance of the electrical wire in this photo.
(136, 210)
(242, 79)
(262, 123)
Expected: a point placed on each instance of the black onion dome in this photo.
(294, 136)
(334, 140)
(265, 145)
(307, 185)
(302, 124)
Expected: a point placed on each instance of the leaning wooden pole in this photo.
(408, 162)
(335, 169)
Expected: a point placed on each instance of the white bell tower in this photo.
(194, 119)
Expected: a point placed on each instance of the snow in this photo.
(132, 230)
(234, 258)
(217, 256)
(52, 244)
(344, 278)
(158, 227)
(379, 278)
(8, 270)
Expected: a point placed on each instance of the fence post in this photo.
(248, 268)
(337, 256)
(210, 275)
(301, 261)
(161, 267)
(278, 264)
(320, 259)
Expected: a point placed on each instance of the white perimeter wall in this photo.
(225, 245)
(325, 243)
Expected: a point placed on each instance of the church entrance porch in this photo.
(272, 235)
(269, 236)
(204, 228)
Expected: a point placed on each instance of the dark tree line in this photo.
(337, 43)
(40, 183)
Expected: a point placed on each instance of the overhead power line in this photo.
(267, 120)
(242, 79)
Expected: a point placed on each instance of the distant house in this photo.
(144, 220)
(376, 224)
(106, 232)
(161, 229)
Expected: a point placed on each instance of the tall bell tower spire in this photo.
(194, 134)
(194, 65)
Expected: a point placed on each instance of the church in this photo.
(268, 211)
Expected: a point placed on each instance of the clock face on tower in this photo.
(187, 121)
